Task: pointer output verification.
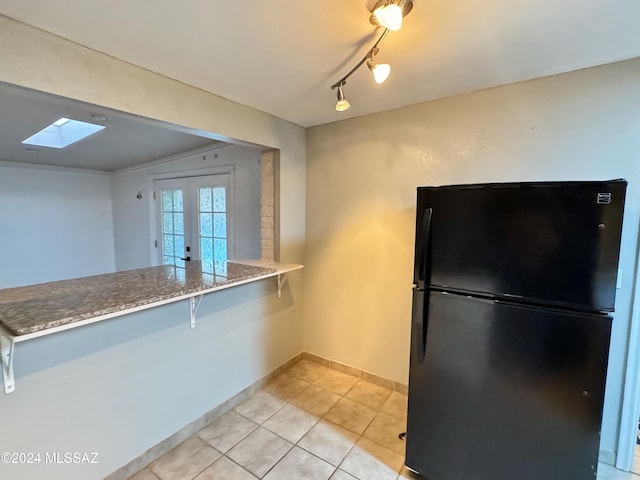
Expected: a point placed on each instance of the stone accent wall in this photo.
(267, 206)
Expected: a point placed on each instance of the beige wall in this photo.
(109, 388)
(119, 387)
(362, 176)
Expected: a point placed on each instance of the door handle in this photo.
(187, 259)
(422, 273)
(419, 325)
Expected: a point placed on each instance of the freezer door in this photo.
(505, 392)
(540, 242)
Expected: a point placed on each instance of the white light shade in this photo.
(389, 16)
(381, 71)
(342, 105)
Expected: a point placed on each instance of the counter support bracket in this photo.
(6, 350)
(194, 303)
(281, 279)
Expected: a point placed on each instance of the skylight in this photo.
(62, 132)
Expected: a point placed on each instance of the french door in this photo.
(194, 221)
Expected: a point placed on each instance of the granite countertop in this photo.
(34, 308)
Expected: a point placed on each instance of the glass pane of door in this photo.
(195, 222)
(173, 234)
(212, 231)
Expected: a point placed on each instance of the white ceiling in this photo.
(282, 56)
(126, 141)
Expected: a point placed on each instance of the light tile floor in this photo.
(309, 423)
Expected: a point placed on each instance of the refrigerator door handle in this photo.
(419, 324)
(422, 267)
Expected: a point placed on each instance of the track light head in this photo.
(380, 71)
(389, 13)
(342, 104)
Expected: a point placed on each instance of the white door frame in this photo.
(631, 390)
(185, 174)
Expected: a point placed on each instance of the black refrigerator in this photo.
(514, 288)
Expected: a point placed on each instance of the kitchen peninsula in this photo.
(36, 310)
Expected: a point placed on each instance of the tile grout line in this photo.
(261, 425)
(285, 368)
(322, 417)
(344, 395)
(360, 437)
(236, 463)
(361, 374)
(200, 472)
(281, 458)
(161, 448)
(377, 411)
(293, 445)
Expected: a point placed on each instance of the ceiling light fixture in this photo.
(380, 70)
(387, 14)
(342, 104)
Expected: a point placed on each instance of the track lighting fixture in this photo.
(342, 104)
(387, 14)
(380, 70)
